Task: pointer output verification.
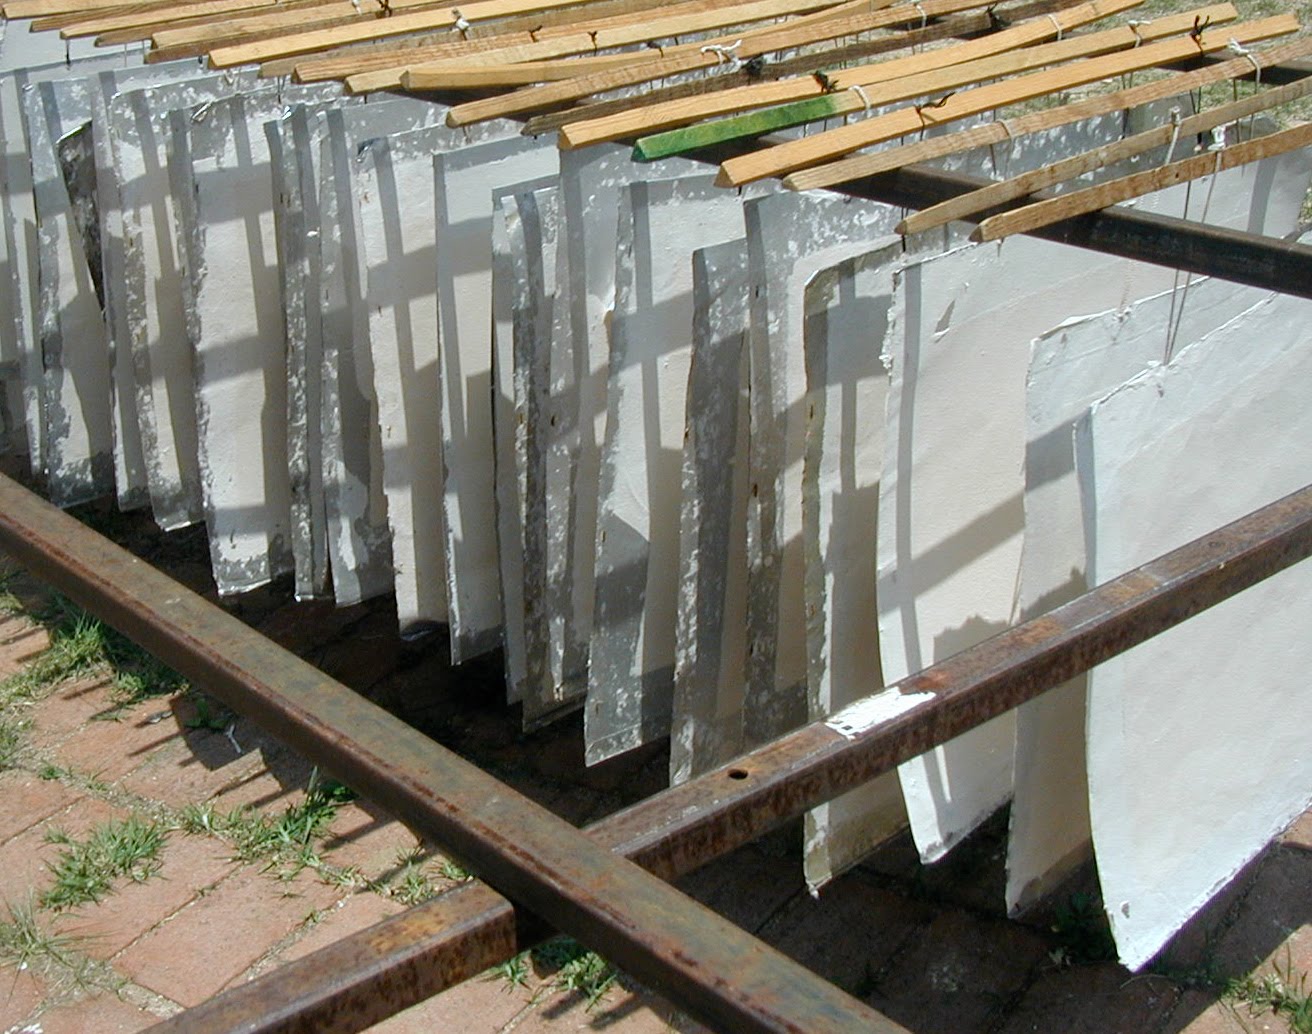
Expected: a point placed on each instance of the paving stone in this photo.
(365, 837)
(23, 859)
(109, 750)
(1200, 1013)
(1092, 1000)
(274, 784)
(746, 887)
(622, 1010)
(20, 641)
(357, 912)
(956, 972)
(483, 1005)
(21, 991)
(1300, 833)
(68, 708)
(190, 865)
(104, 1013)
(214, 940)
(28, 800)
(1273, 926)
(192, 766)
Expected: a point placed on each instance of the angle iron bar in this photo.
(696, 958)
(1244, 258)
(366, 976)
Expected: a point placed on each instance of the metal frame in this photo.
(606, 885)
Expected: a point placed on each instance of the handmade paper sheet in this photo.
(1197, 738)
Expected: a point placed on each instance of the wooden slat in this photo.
(820, 147)
(398, 78)
(135, 19)
(398, 53)
(40, 8)
(386, 74)
(884, 82)
(691, 59)
(966, 205)
(863, 165)
(1081, 202)
(55, 22)
(851, 49)
(638, 31)
(478, 76)
(379, 28)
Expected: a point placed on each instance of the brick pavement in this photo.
(926, 946)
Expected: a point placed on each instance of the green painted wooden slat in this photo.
(753, 123)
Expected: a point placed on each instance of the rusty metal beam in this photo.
(368, 975)
(710, 967)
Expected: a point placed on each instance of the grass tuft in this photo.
(1283, 993)
(85, 870)
(24, 942)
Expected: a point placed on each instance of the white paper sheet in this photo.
(237, 333)
(1197, 738)
(466, 179)
(951, 513)
(1070, 367)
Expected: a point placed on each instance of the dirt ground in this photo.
(230, 893)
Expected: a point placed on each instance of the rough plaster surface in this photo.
(466, 178)
(154, 288)
(130, 477)
(235, 324)
(710, 654)
(70, 331)
(631, 665)
(575, 409)
(789, 238)
(526, 260)
(1188, 784)
(846, 316)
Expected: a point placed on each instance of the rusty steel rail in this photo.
(372, 974)
(710, 967)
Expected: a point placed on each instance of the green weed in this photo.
(1082, 932)
(25, 942)
(578, 970)
(85, 870)
(1283, 993)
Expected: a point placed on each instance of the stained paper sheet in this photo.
(153, 299)
(130, 477)
(574, 415)
(236, 329)
(359, 537)
(19, 349)
(466, 180)
(847, 380)
(710, 655)
(789, 238)
(1189, 781)
(1070, 367)
(70, 331)
(394, 195)
(631, 668)
(951, 509)
(526, 257)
